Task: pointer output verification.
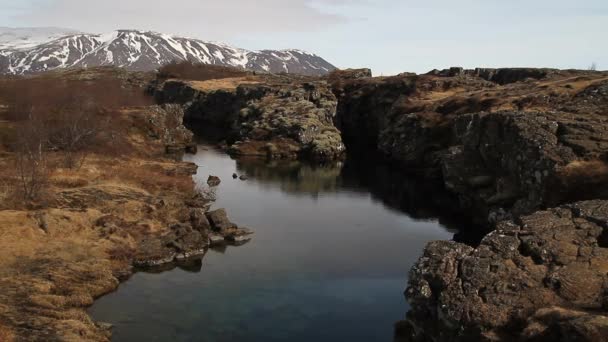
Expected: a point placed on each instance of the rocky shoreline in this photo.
(119, 211)
(507, 143)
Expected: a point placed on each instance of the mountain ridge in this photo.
(139, 50)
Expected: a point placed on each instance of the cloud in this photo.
(207, 19)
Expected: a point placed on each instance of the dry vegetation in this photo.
(583, 179)
(50, 123)
(199, 72)
(223, 84)
(77, 152)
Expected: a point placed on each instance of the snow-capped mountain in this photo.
(145, 51)
(27, 37)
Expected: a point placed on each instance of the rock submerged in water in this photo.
(229, 231)
(213, 181)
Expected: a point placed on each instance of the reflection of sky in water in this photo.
(327, 263)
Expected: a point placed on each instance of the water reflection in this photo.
(328, 262)
(421, 200)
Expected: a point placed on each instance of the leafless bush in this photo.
(72, 115)
(73, 127)
(31, 160)
(593, 67)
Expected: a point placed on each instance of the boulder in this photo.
(544, 275)
(199, 220)
(213, 181)
(181, 242)
(219, 220)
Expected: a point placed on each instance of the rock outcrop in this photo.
(279, 117)
(540, 277)
(166, 123)
(224, 231)
(506, 141)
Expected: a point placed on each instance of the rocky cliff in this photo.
(509, 143)
(542, 277)
(506, 141)
(264, 115)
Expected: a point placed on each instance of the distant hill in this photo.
(26, 51)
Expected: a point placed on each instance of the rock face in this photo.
(506, 141)
(166, 123)
(270, 116)
(541, 277)
(519, 161)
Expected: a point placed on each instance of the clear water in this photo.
(329, 260)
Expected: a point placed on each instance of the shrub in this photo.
(31, 160)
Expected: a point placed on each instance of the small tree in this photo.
(73, 127)
(593, 67)
(31, 158)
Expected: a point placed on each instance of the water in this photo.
(328, 262)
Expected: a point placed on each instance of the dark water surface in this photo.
(328, 262)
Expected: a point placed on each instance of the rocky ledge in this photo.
(507, 142)
(541, 277)
(198, 231)
(279, 117)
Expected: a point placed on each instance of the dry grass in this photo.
(56, 257)
(223, 84)
(592, 171)
(153, 180)
(198, 71)
(582, 180)
(6, 335)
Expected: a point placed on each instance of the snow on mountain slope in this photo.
(145, 51)
(28, 37)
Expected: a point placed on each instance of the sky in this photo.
(388, 36)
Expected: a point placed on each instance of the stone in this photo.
(199, 220)
(530, 270)
(219, 220)
(216, 240)
(213, 181)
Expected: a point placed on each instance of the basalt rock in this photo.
(501, 76)
(165, 123)
(506, 141)
(228, 231)
(181, 242)
(541, 277)
(275, 117)
(213, 181)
